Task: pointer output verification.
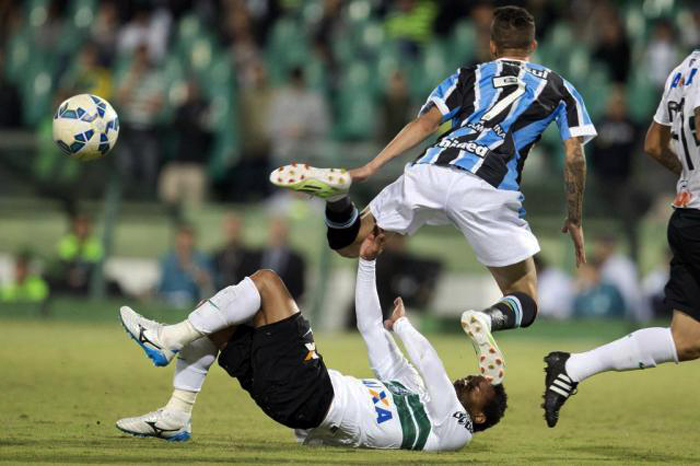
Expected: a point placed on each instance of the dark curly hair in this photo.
(495, 409)
(513, 28)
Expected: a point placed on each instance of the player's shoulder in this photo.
(680, 75)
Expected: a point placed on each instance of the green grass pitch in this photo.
(63, 385)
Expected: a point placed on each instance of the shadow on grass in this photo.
(141, 451)
(632, 455)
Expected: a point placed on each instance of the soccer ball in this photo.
(85, 127)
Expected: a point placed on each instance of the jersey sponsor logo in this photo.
(380, 400)
(311, 347)
(538, 73)
(464, 420)
(469, 146)
(479, 128)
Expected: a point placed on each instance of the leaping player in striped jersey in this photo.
(269, 347)
(471, 176)
(673, 139)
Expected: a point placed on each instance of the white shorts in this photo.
(489, 218)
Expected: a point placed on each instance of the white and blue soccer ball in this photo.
(85, 127)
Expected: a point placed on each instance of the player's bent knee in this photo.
(265, 279)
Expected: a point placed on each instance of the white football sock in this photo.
(231, 306)
(193, 363)
(639, 350)
(178, 335)
(181, 401)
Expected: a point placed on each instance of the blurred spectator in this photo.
(234, 261)
(395, 107)
(183, 179)
(618, 270)
(555, 290)
(614, 151)
(263, 14)
(26, 286)
(410, 22)
(139, 98)
(595, 296)
(79, 252)
(653, 287)
(50, 25)
(690, 28)
(104, 30)
(186, 275)
(87, 75)
(248, 179)
(662, 53)
(298, 117)
(147, 28)
(244, 49)
(482, 15)
(330, 27)
(614, 48)
(10, 100)
(279, 256)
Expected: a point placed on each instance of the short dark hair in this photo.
(512, 28)
(495, 409)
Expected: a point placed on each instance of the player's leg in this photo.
(173, 421)
(686, 336)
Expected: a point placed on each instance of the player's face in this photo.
(478, 392)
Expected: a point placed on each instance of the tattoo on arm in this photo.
(575, 179)
(670, 160)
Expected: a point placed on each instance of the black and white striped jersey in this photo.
(677, 109)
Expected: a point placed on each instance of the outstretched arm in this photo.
(575, 181)
(385, 357)
(410, 136)
(422, 354)
(657, 145)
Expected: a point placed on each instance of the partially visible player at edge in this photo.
(269, 347)
(471, 176)
(676, 126)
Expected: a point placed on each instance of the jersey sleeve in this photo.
(441, 392)
(447, 97)
(572, 117)
(662, 115)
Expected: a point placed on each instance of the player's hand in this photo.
(575, 230)
(399, 312)
(373, 245)
(362, 173)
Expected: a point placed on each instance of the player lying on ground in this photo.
(677, 119)
(470, 177)
(268, 346)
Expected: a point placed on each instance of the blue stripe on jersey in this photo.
(522, 138)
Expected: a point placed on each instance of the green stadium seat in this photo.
(82, 13)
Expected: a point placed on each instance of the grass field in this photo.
(64, 384)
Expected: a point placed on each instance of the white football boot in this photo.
(145, 332)
(173, 426)
(477, 326)
(319, 182)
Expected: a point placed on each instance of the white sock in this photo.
(193, 363)
(639, 350)
(178, 335)
(231, 306)
(181, 401)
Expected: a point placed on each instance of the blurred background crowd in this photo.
(213, 94)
